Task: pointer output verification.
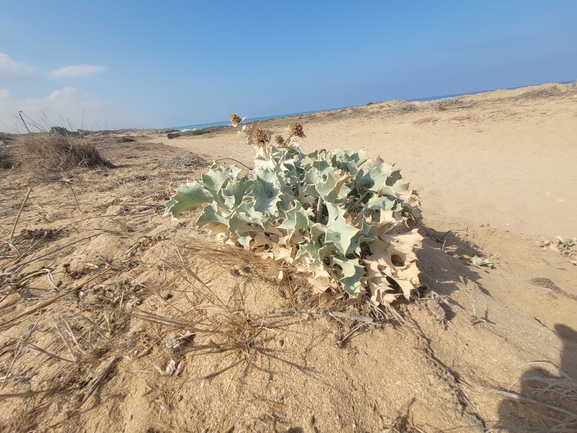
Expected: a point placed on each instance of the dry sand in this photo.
(116, 294)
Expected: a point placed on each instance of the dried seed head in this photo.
(261, 136)
(235, 119)
(279, 140)
(296, 130)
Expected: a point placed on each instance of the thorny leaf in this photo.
(338, 231)
(266, 195)
(187, 197)
(353, 275)
(295, 219)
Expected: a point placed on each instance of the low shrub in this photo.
(6, 157)
(445, 103)
(124, 140)
(403, 108)
(5, 161)
(345, 220)
(55, 152)
(543, 92)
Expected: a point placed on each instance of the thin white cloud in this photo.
(14, 71)
(66, 106)
(77, 70)
(59, 97)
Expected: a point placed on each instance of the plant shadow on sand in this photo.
(444, 262)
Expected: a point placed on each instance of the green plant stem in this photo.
(235, 160)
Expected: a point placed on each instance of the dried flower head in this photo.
(260, 136)
(279, 140)
(296, 130)
(235, 119)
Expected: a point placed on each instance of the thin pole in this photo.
(20, 114)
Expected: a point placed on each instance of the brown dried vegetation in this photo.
(296, 130)
(48, 151)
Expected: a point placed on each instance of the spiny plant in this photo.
(346, 221)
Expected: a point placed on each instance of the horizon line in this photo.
(428, 98)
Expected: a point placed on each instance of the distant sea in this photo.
(278, 116)
(247, 120)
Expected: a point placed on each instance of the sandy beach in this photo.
(115, 318)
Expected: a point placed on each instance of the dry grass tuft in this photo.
(404, 108)
(555, 90)
(54, 152)
(446, 103)
(541, 93)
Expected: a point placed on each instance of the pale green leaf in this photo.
(348, 160)
(353, 274)
(338, 231)
(187, 197)
(266, 196)
(244, 239)
(211, 214)
(295, 219)
(378, 203)
(214, 180)
(235, 192)
(374, 175)
(241, 222)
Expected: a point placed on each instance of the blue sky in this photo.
(129, 64)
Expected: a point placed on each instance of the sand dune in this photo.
(115, 318)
